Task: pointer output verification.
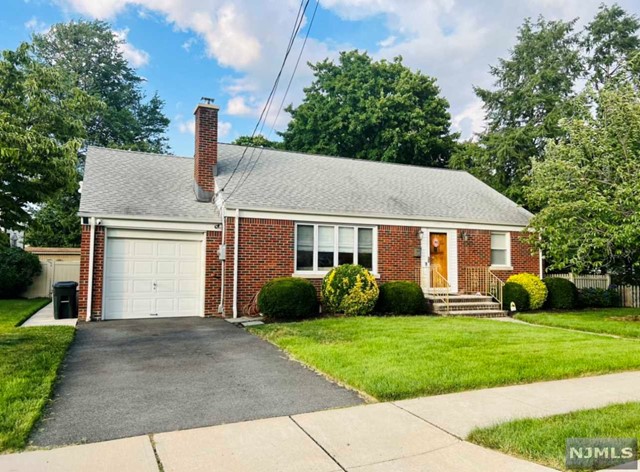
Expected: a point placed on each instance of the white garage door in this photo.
(147, 278)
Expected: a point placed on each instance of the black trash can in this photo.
(65, 301)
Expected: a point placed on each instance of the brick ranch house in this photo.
(166, 236)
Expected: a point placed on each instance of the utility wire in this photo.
(244, 177)
(267, 105)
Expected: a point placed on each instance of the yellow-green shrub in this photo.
(349, 289)
(535, 287)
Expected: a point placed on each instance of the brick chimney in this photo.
(206, 153)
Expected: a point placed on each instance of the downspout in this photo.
(223, 260)
(92, 236)
(236, 239)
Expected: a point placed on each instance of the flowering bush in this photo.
(349, 289)
(534, 286)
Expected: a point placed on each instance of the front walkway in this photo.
(406, 436)
(44, 317)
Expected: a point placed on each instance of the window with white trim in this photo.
(320, 247)
(500, 249)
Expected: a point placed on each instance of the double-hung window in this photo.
(500, 256)
(320, 247)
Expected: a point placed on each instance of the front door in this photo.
(438, 263)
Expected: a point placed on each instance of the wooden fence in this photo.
(53, 271)
(629, 294)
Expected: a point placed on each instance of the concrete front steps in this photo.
(479, 306)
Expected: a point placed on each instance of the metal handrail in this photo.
(482, 280)
(439, 287)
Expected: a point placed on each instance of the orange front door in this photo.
(438, 254)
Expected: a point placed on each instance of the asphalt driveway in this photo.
(125, 378)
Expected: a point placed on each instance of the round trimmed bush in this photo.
(288, 298)
(563, 294)
(401, 298)
(534, 286)
(513, 292)
(598, 298)
(349, 289)
(17, 270)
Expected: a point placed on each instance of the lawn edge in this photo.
(575, 330)
(368, 398)
(43, 302)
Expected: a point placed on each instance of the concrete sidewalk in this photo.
(424, 434)
(44, 317)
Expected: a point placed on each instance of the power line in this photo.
(267, 105)
(244, 177)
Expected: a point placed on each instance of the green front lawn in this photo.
(543, 440)
(403, 357)
(618, 321)
(29, 362)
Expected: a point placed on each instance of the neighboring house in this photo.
(159, 232)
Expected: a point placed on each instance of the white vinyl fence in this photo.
(629, 294)
(586, 281)
(52, 272)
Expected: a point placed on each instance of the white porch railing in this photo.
(482, 280)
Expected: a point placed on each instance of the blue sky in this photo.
(231, 50)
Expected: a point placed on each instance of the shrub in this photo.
(349, 289)
(598, 298)
(534, 286)
(514, 292)
(401, 298)
(563, 294)
(288, 298)
(17, 270)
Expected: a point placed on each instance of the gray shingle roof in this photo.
(155, 185)
(130, 183)
(293, 181)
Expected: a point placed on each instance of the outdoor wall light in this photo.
(465, 236)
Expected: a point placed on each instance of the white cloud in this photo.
(35, 25)
(188, 43)
(388, 41)
(185, 125)
(238, 106)
(224, 129)
(136, 57)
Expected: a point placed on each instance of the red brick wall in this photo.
(266, 252)
(206, 146)
(213, 274)
(98, 264)
(397, 259)
(476, 252)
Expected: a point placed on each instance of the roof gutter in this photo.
(291, 211)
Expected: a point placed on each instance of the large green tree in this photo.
(532, 87)
(42, 116)
(375, 110)
(588, 185)
(611, 45)
(257, 141)
(89, 53)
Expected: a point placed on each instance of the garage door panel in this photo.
(188, 268)
(167, 267)
(168, 248)
(154, 277)
(143, 248)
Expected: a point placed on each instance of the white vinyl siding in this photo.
(322, 247)
(500, 254)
